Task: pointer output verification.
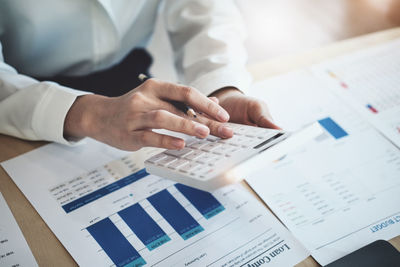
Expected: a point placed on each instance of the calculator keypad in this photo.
(201, 157)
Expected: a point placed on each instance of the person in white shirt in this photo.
(44, 38)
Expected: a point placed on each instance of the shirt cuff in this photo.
(51, 111)
(208, 83)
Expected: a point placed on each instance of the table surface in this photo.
(46, 248)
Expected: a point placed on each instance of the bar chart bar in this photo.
(333, 128)
(203, 201)
(115, 245)
(175, 214)
(372, 109)
(145, 228)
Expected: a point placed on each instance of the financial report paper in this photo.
(369, 81)
(107, 211)
(14, 251)
(342, 190)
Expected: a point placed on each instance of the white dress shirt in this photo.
(47, 37)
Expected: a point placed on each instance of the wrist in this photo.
(83, 117)
(226, 92)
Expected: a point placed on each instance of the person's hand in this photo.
(125, 122)
(244, 109)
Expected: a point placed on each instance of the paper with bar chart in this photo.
(369, 81)
(107, 211)
(339, 192)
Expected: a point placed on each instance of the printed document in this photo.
(369, 81)
(342, 190)
(107, 211)
(14, 250)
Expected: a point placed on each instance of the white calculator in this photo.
(214, 162)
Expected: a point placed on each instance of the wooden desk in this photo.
(46, 248)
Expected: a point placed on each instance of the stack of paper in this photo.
(341, 191)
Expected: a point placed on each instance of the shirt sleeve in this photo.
(207, 38)
(33, 110)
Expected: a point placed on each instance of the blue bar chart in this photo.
(114, 244)
(333, 128)
(175, 214)
(203, 201)
(145, 228)
(141, 220)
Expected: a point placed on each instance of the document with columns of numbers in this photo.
(14, 251)
(341, 191)
(107, 211)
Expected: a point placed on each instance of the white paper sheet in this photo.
(14, 250)
(369, 81)
(82, 195)
(340, 192)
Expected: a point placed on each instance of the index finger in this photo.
(193, 98)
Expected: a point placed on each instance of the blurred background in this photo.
(284, 27)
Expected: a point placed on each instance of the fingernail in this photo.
(222, 115)
(201, 130)
(225, 132)
(178, 143)
(214, 99)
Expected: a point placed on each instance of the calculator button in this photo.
(238, 140)
(224, 141)
(250, 134)
(167, 160)
(210, 146)
(195, 154)
(213, 159)
(221, 150)
(232, 140)
(156, 158)
(198, 144)
(256, 132)
(190, 141)
(197, 170)
(242, 130)
(232, 150)
(179, 153)
(189, 167)
(212, 138)
(176, 164)
(206, 158)
(213, 162)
